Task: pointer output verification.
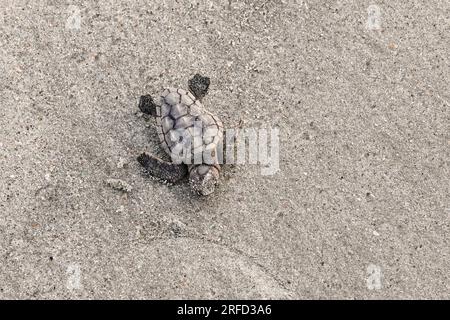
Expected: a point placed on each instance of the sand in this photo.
(359, 208)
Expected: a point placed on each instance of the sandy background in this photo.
(359, 209)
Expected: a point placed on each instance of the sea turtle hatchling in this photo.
(188, 133)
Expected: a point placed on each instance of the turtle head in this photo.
(204, 178)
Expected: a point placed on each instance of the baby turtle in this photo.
(188, 133)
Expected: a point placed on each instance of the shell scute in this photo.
(178, 110)
(172, 98)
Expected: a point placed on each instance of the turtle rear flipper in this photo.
(147, 106)
(199, 86)
(162, 169)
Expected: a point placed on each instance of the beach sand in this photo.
(359, 208)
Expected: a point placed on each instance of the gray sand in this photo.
(359, 209)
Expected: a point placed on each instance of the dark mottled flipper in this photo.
(147, 106)
(162, 169)
(199, 85)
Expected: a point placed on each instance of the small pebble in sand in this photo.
(122, 163)
(176, 227)
(119, 184)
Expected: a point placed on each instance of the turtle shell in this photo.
(188, 133)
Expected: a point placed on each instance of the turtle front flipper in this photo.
(147, 106)
(199, 86)
(162, 169)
